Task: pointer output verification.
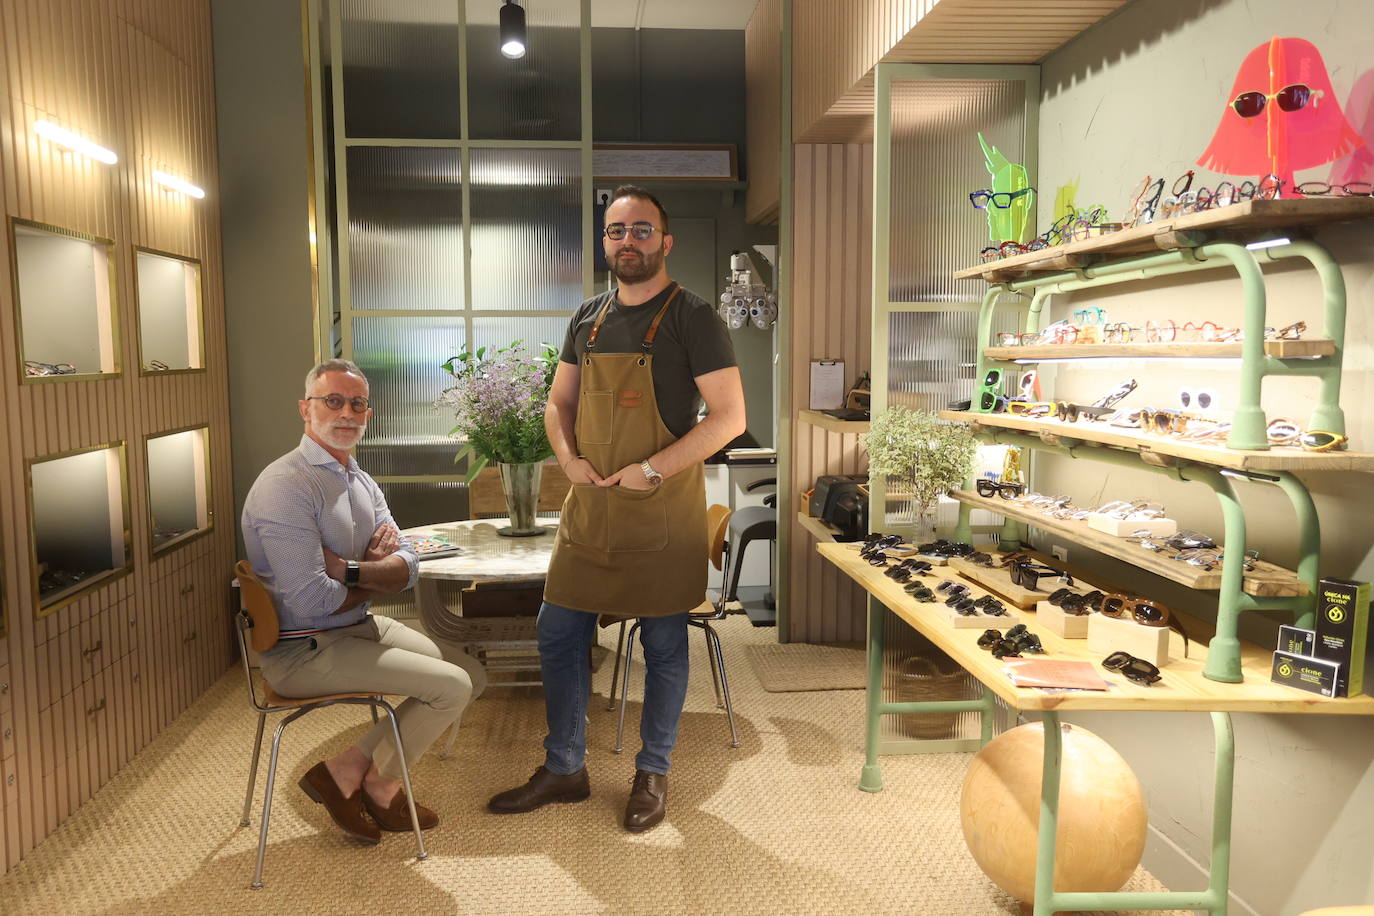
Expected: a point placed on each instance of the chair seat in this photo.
(276, 699)
(752, 523)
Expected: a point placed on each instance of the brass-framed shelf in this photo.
(178, 487)
(1167, 451)
(1306, 348)
(170, 317)
(1267, 579)
(829, 423)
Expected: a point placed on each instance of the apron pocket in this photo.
(595, 418)
(583, 521)
(638, 519)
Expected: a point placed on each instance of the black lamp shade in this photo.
(512, 30)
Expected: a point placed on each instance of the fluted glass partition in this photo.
(534, 97)
(401, 60)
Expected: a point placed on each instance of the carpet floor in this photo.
(776, 825)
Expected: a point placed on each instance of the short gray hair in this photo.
(331, 365)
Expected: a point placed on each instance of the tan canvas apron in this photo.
(628, 553)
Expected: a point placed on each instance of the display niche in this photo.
(66, 311)
(170, 337)
(79, 507)
(178, 487)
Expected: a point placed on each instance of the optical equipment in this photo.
(746, 300)
(512, 30)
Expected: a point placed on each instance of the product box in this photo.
(1297, 641)
(1342, 629)
(1314, 675)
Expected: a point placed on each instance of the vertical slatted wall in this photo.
(763, 96)
(831, 307)
(83, 688)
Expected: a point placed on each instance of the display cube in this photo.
(170, 336)
(66, 316)
(1110, 634)
(178, 487)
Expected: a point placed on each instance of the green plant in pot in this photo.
(921, 455)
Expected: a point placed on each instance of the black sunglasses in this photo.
(1009, 489)
(1289, 98)
(1027, 574)
(920, 591)
(1137, 669)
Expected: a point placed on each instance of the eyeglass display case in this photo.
(170, 330)
(178, 487)
(64, 286)
(79, 511)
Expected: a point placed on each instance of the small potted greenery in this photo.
(921, 455)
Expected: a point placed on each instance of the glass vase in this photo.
(520, 486)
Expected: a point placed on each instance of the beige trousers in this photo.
(382, 656)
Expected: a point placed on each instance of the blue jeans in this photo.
(564, 638)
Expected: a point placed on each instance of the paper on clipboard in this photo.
(827, 384)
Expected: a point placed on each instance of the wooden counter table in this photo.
(1182, 689)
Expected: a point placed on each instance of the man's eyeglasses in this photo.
(641, 231)
(337, 402)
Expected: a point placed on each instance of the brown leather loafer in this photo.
(543, 787)
(347, 812)
(396, 816)
(648, 801)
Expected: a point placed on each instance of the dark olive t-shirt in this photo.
(691, 341)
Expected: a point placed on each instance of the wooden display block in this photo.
(1069, 626)
(1110, 634)
(998, 580)
(1124, 528)
(981, 621)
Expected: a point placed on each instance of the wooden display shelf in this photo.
(998, 580)
(1166, 451)
(1307, 348)
(1183, 688)
(1247, 217)
(1266, 580)
(827, 422)
(819, 529)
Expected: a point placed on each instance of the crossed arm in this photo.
(381, 570)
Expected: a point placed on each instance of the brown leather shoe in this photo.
(648, 801)
(543, 787)
(396, 816)
(346, 812)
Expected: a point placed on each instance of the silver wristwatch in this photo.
(653, 477)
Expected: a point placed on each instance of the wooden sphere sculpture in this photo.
(1102, 815)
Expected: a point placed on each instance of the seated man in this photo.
(321, 539)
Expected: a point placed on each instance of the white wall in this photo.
(1142, 93)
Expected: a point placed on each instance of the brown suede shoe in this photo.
(543, 787)
(648, 801)
(346, 812)
(396, 816)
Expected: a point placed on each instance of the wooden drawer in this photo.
(74, 655)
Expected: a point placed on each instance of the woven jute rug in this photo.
(796, 667)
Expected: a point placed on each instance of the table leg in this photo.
(1049, 815)
(871, 779)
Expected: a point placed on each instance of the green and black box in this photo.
(1297, 641)
(1311, 674)
(1342, 630)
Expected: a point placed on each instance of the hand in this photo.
(631, 477)
(334, 565)
(386, 540)
(580, 470)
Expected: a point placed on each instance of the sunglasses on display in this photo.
(1315, 440)
(1144, 612)
(1028, 575)
(1202, 399)
(920, 591)
(1137, 669)
(1005, 489)
(944, 548)
(1024, 639)
(1071, 602)
(1290, 98)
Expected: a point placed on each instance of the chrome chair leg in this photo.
(405, 777)
(711, 657)
(615, 667)
(374, 714)
(253, 772)
(725, 684)
(625, 690)
(267, 795)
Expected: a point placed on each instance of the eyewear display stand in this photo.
(1184, 688)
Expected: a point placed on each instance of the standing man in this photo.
(321, 538)
(637, 363)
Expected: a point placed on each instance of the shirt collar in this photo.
(315, 454)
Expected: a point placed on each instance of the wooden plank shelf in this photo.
(1183, 689)
(1251, 216)
(1307, 348)
(1266, 580)
(827, 422)
(819, 529)
(1166, 451)
(998, 580)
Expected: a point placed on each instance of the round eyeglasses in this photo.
(337, 402)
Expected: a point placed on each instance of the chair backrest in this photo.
(486, 499)
(717, 523)
(259, 607)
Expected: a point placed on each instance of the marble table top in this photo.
(487, 556)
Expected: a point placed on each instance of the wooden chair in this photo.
(258, 626)
(717, 523)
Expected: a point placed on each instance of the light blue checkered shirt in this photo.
(301, 501)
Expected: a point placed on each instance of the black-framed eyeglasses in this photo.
(337, 402)
(641, 231)
(1008, 489)
(999, 199)
(1137, 669)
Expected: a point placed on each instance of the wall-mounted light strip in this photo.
(71, 141)
(176, 184)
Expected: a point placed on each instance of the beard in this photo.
(338, 434)
(630, 265)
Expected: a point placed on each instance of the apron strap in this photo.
(596, 326)
(648, 343)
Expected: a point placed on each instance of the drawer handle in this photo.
(96, 708)
(93, 649)
(187, 589)
(190, 636)
(4, 689)
(9, 733)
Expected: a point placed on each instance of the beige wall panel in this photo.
(136, 77)
(762, 104)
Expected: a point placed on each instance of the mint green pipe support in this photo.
(1248, 425)
(1328, 415)
(1212, 900)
